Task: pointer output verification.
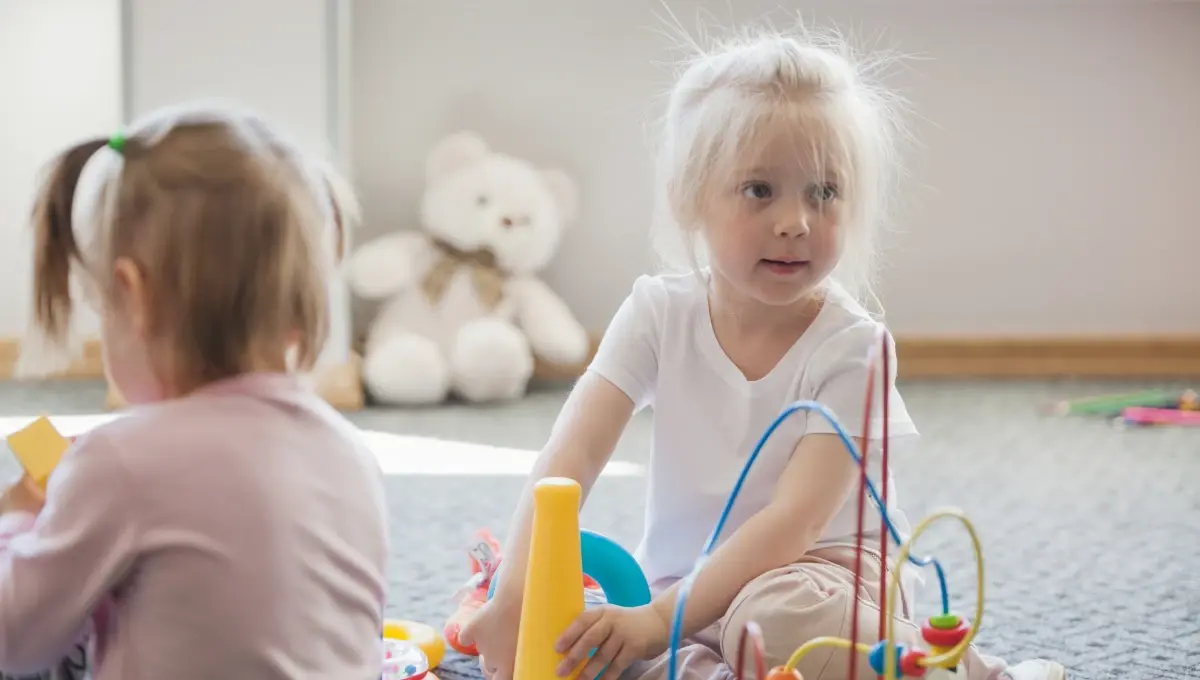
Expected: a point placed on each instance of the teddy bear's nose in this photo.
(510, 222)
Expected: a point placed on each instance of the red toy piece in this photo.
(484, 557)
(910, 666)
(945, 631)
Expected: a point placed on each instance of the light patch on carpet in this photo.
(397, 454)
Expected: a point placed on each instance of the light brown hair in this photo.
(234, 231)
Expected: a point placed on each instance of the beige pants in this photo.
(812, 598)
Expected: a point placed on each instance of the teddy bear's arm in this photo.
(389, 264)
(554, 333)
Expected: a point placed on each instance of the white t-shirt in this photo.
(660, 349)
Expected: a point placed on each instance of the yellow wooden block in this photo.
(38, 448)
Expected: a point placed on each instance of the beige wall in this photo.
(1054, 191)
(71, 69)
(60, 81)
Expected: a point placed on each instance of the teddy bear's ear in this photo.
(453, 152)
(565, 192)
(347, 211)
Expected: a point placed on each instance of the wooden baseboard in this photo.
(1149, 357)
(339, 384)
(88, 367)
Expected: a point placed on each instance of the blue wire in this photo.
(686, 586)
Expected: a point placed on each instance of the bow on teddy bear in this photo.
(464, 310)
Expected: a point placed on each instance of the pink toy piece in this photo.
(1141, 415)
(403, 660)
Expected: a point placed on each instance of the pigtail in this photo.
(54, 238)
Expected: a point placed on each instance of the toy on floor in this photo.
(423, 636)
(38, 447)
(1142, 415)
(1112, 405)
(404, 661)
(554, 595)
(485, 557)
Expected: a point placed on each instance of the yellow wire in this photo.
(889, 653)
(840, 643)
(889, 663)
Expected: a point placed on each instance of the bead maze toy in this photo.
(553, 595)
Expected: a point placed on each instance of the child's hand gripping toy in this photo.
(38, 447)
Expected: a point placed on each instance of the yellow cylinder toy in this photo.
(553, 596)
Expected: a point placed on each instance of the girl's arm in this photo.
(55, 569)
(583, 439)
(813, 487)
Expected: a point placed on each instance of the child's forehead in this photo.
(786, 146)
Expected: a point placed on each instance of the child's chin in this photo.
(783, 293)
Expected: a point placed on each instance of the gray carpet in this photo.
(1091, 533)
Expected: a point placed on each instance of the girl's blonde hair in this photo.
(726, 96)
(234, 230)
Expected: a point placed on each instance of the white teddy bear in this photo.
(465, 311)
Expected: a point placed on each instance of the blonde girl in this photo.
(777, 157)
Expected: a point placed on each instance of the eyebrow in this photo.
(830, 174)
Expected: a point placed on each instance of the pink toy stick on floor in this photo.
(1141, 415)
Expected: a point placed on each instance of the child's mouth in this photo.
(785, 267)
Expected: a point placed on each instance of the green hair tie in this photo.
(117, 142)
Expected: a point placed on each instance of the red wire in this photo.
(862, 499)
(754, 633)
(883, 476)
(883, 359)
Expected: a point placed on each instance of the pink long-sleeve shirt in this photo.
(239, 532)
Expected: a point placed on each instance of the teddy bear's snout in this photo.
(510, 221)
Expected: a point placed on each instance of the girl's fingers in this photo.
(591, 638)
(579, 626)
(608, 650)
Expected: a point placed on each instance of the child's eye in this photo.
(824, 192)
(757, 190)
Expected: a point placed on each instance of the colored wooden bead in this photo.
(910, 663)
(942, 637)
(945, 621)
(875, 658)
(782, 673)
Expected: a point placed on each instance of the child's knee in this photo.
(791, 606)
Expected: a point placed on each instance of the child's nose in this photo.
(793, 225)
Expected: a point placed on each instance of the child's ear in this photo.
(132, 295)
(565, 193)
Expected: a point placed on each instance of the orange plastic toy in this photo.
(484, 556)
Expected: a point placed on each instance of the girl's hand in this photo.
(493, 631)
(620, 636)
(22, 496)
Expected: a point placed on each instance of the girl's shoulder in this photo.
(665, 287)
